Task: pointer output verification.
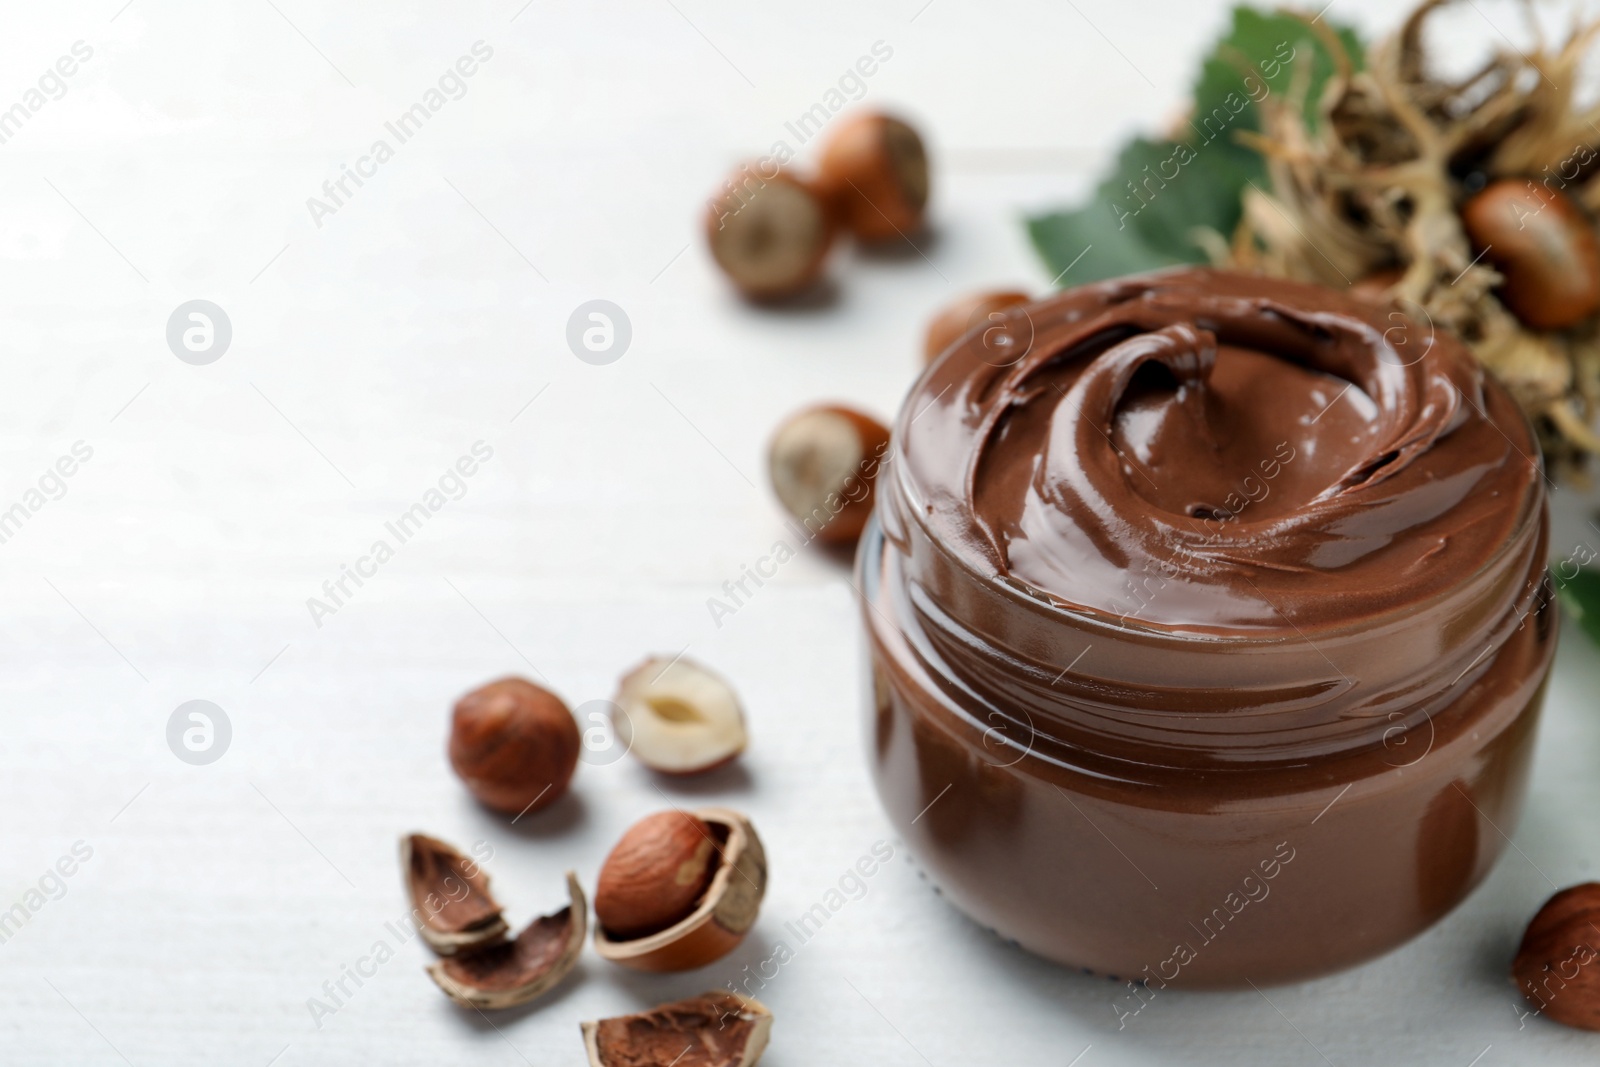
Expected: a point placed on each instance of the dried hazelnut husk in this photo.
(874, 171)
(1557, 966)
(1544, 246)
(678, 717)
(450, 898)
(514, 972)
(823, 463)
(706, 920)
(715, 1029)
(769, 231)
(514, 744)
(955, 320)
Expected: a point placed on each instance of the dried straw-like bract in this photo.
(1371, 192)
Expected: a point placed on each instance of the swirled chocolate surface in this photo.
(1205, 451)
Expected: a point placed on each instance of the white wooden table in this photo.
(426, 313)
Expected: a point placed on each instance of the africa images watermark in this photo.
(52, 85)
(51, 486)
(51, 885)
(452, 85)
(752, 177)
(451, 485)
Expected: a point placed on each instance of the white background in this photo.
(368, 354)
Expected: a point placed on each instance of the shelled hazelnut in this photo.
(678, 717)
(514, 744)
(716, 1029)
(769, 231)
(954, 320)
(874, 171)
(1557, 966)
(823, 463)
(679, 890)
(1544, 245)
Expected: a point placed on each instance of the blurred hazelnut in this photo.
(1544, 245)
(954, 320)
(769, 232)
(514, 744)
(654, 875)
(1557, 966)
(678, 717)
(823, 463)
(874, 170)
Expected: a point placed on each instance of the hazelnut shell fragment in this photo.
(1544, 245)
(1557, 966)
(954, 320)
(678, 717)
(514, 744)
(450, 898)
(823, 463)
(874, 170)
(513, 972)
(720, 919)
(769, 232)
(716, 1029)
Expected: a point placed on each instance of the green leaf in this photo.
(1144, 214)
(1580, 594)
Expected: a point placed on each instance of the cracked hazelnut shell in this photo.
(514, 744)
(678, 717)
(512, 972)
(1557, 966)
(718, 919)
(874, 171)
(770, 233)
(954, 320)
(823, 464)
(716, 1029)
(1544, 245)
(450, 898)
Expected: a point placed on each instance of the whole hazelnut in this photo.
(514, 744)
(823, 463)
(769, 232)
(655, 874)
(874, 170)
(1557, 966)
(954, 320)
(1544, 245)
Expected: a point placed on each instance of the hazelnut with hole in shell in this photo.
(874, 171)
(514, 744)
(956, 319)
(716, 1029)
(1557, 966)
(823, 463)
(1544, 245)
(677, 717)
(701, 873)
(769, 232)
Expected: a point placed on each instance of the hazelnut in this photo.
(874, 171)
(450, 898)
(1374, 288)
(1544, 245)
(823, 463)
(1557, 966)
(716, 1029)
(654, 875)
(770, 233)
(702, 874)
(678, 717)
(514, 972)
(955, 320)
(514, 744)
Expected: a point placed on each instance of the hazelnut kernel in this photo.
(1557, 966)
(1544, 245)
(823, 463)
(514, 744)
(655, 875)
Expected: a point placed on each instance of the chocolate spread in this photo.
(1169, 563)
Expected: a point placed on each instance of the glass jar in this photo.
(1297, 732)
